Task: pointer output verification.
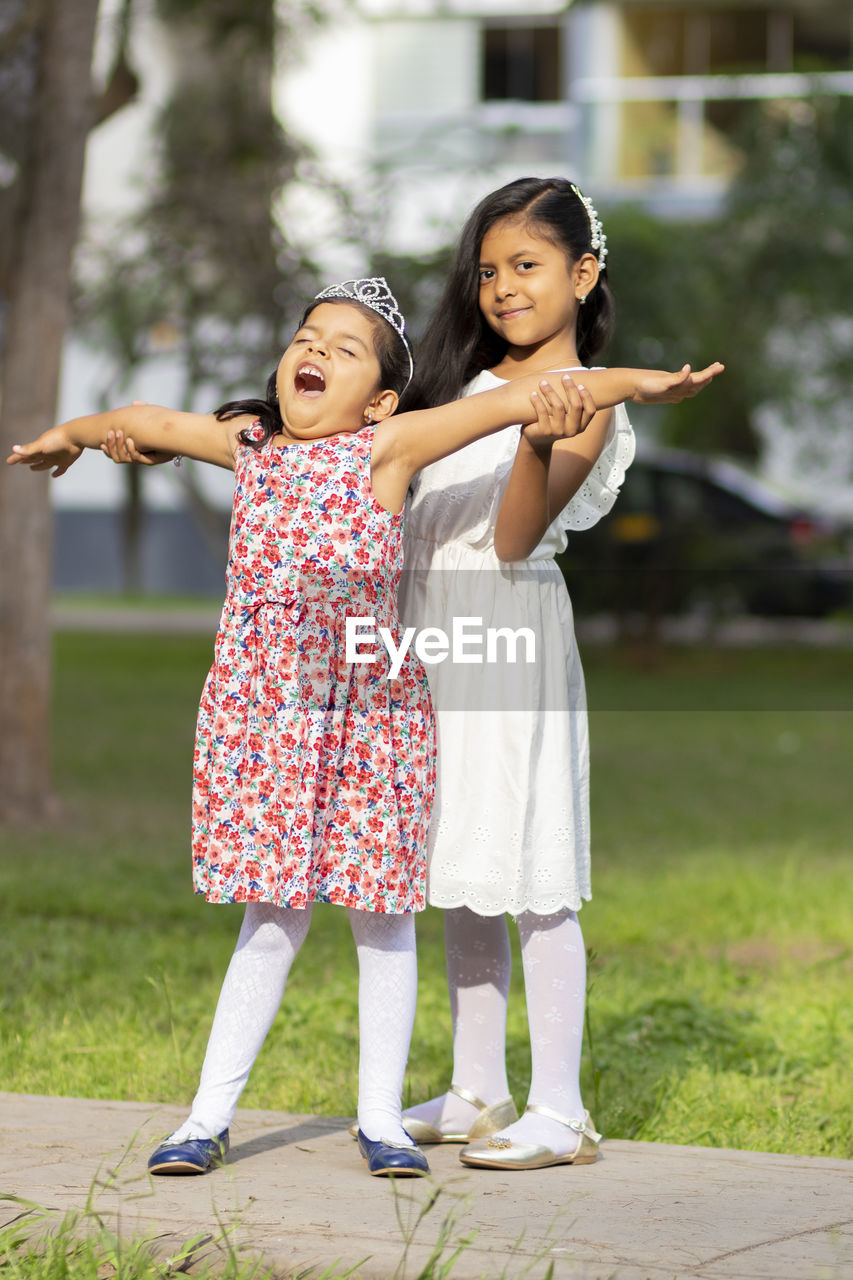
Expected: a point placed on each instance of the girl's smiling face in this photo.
(530, 290)
(328, 378)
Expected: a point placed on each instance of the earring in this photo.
(368, 421)
(582, 298)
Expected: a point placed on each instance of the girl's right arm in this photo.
(195, 435)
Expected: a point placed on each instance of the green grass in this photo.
(720, 930)
(39, 1245)
(106, 601)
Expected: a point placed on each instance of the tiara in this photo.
(373, 292)
(597, 238)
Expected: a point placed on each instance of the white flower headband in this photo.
(597, 238)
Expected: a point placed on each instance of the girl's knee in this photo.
(264, 920)
(529, 922)
(382, 929)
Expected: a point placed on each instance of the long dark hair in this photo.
(392, 352)
(458, 343)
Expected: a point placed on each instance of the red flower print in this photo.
(305, 787)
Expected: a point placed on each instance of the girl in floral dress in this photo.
(314, 759)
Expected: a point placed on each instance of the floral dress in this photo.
(313, 775)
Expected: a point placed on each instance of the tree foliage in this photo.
(202, 273)
(763, 285)
(202, 262)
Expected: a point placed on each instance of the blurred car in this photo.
(691, 532)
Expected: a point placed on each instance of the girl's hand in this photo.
(120, 448)
(656, 386)
(53, 448)
(556, 418)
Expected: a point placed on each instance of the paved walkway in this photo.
(296, 1193)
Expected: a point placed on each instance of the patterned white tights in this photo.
(251, 994)
(554, 960)
(387, 992)
(478, 969)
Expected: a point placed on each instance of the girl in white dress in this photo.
(527, 293)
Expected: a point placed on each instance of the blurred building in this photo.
(637, 100)
(421, 106)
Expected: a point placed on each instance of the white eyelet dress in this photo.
(510, 827)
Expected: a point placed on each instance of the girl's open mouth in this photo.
(309, 381)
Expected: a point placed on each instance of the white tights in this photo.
(478, 972)
(269, 940)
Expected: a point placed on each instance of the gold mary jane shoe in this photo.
(491, 1118)
(503, 1153)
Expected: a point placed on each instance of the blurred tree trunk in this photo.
(34, 320)
(131, 534)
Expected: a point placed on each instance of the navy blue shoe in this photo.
(196, 1155)
(382, 1159)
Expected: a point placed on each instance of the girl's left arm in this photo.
(541, 483)
(547, 473)
(195, 435)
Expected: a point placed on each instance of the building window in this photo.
(679, 42)
(521, 63)
(649, 137)
(822, 39)
(724, 120)
(654, 42)
(733, 43)
(676, 40)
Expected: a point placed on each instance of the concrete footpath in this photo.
(296, 1194)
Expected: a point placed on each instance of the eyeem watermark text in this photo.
(467, 642)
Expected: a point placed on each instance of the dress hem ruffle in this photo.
(539, 908)
(303, 905)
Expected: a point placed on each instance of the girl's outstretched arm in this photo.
(122, 449)
(610, 387)
(406, 442)
(195, 435)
